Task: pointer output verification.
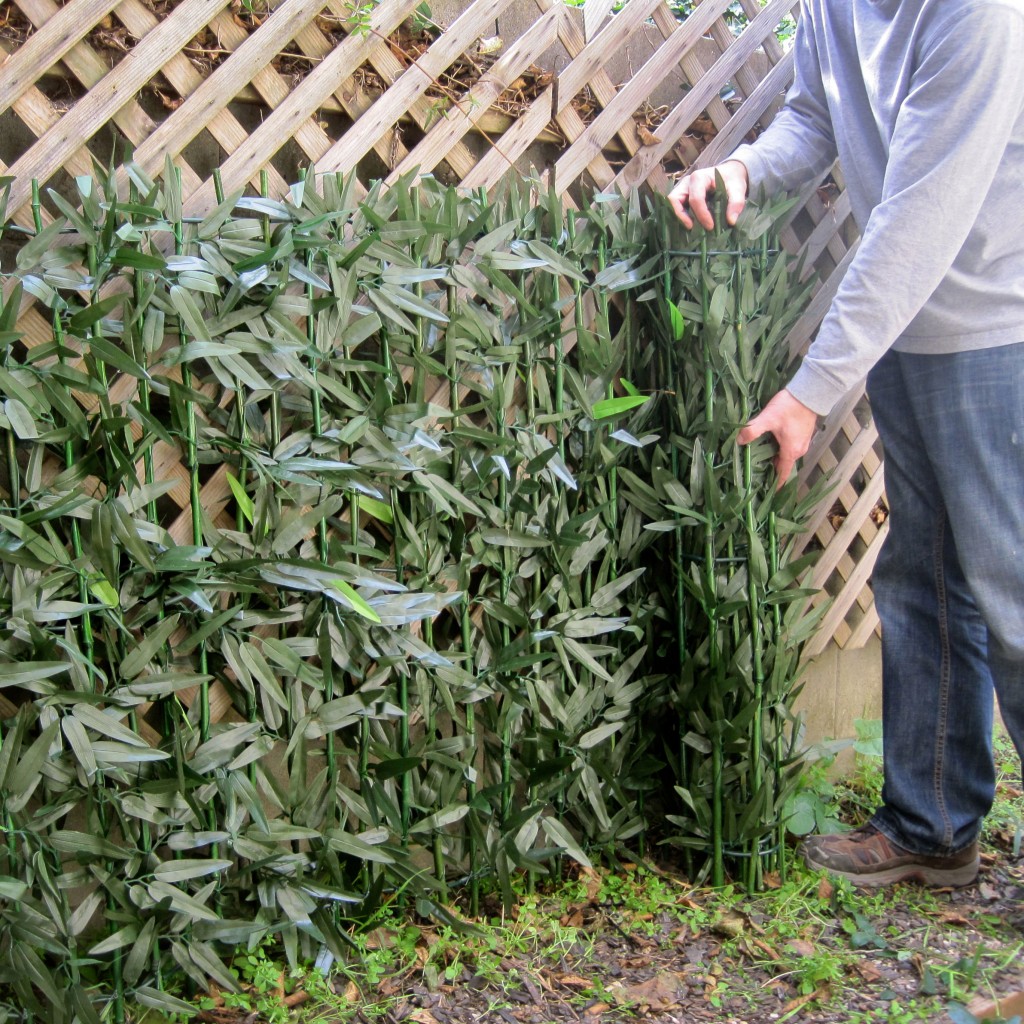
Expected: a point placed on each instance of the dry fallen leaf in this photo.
(825, 889)
(729, 924)
(987, 892)
(573, 981)
(661, 991)
(647, 137)
(593, 883)
(801, 947)
(489, 44)
(422, 1017)
(766, 949)
(380, 938)
(867, 971)
(802, 1001)
(573, 919)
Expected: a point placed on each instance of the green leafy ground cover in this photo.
(643, 943)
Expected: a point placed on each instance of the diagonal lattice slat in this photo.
(369, 105)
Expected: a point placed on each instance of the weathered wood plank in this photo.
(214, 497)
(514, 143)
(601, 85)
(108, 96)
(835, 617)
(307, 96)
(851, 526)
(869, 623)
(212, 95)
(819, 208)
(742, 122)
(772, 47)
(828, 228)
(460, 118)
(839, 478)
(37, 114)
(683, 114)
(357, 141)
(45, 47)
(594, 14)
(571, 164)
(597, 50)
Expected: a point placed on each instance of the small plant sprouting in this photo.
(359, 15)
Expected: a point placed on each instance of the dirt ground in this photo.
(805, 951)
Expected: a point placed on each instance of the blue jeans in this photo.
(949, 586)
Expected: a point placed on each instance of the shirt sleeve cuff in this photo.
(757, 172)
(812, 388)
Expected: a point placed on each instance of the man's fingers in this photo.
(783, 468)
(689, 199)
(791, 423)
(679, 201)
(735, 208)
(751, 432)
(699, 203)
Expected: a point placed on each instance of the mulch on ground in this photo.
(832, 955)
(726, 973)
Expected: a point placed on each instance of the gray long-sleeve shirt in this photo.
(923, 100)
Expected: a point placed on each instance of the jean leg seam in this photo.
(945, 673)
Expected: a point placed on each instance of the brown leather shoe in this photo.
(867, 857)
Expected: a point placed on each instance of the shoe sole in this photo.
(942, 878)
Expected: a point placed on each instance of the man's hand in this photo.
(791, 423)
(691, 193)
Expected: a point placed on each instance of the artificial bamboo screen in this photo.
(382, 89)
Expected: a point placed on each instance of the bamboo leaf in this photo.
(121, 938)
(598, 735)
(105, 724)
(355, 602)
(30, 672)
(140, 656)
(23, 780)
(69, 841)
(189, 314)
(104, 593)
(185, 869)
(440, 819)
(245, 503)
(377, 509)
(156, 999)
(678, 322)
(609, 407)
(91, 315)
(22, 423)
(353, 846)
(558, 834)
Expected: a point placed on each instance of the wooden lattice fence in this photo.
(346, 88)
